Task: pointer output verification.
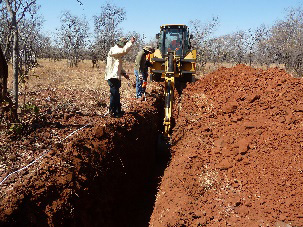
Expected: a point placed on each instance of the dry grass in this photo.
(85, 77)
(57, 75)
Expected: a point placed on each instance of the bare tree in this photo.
(73, 35)
(18, 10)
(107, 29)
(201, 33)
(219, 49)
(239, 48)
(264, 55)
(14, 25)
(250, 46)
(5, 31)
(287, 41)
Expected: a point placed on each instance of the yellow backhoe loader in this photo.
(174, 62)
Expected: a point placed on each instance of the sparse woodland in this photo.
(23, 43)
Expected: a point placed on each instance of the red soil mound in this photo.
(237, 153)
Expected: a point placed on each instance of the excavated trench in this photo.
(236, 161)
(107, 175)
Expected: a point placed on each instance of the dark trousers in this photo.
(114, 103)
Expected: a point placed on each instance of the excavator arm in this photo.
(174, 62)
(169, 92)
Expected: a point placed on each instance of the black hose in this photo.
(170, 63)
(168, 94)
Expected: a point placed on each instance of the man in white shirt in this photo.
(114, 71)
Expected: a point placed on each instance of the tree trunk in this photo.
(15, 52)
(3, 76)
(14, 107)
(5, 102)
(15, 62)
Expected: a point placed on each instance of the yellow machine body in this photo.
(173, 62)
(188, 67)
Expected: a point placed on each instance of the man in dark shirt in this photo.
(141, 65)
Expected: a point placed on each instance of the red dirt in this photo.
(101, 176)
(236, 158)
(237, 152)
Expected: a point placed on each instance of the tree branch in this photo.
(28, 5)
(80, 2)
(9, 8)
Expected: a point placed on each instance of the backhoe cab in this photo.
(173, 62)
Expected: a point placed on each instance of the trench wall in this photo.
(104, 176)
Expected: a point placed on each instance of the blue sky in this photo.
(145, 17)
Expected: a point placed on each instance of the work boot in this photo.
(120, 114)
(112, 114)
(116, 115)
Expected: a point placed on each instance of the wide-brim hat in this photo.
(149, 49)
(122, 41)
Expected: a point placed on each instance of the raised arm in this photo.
(120, 52)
